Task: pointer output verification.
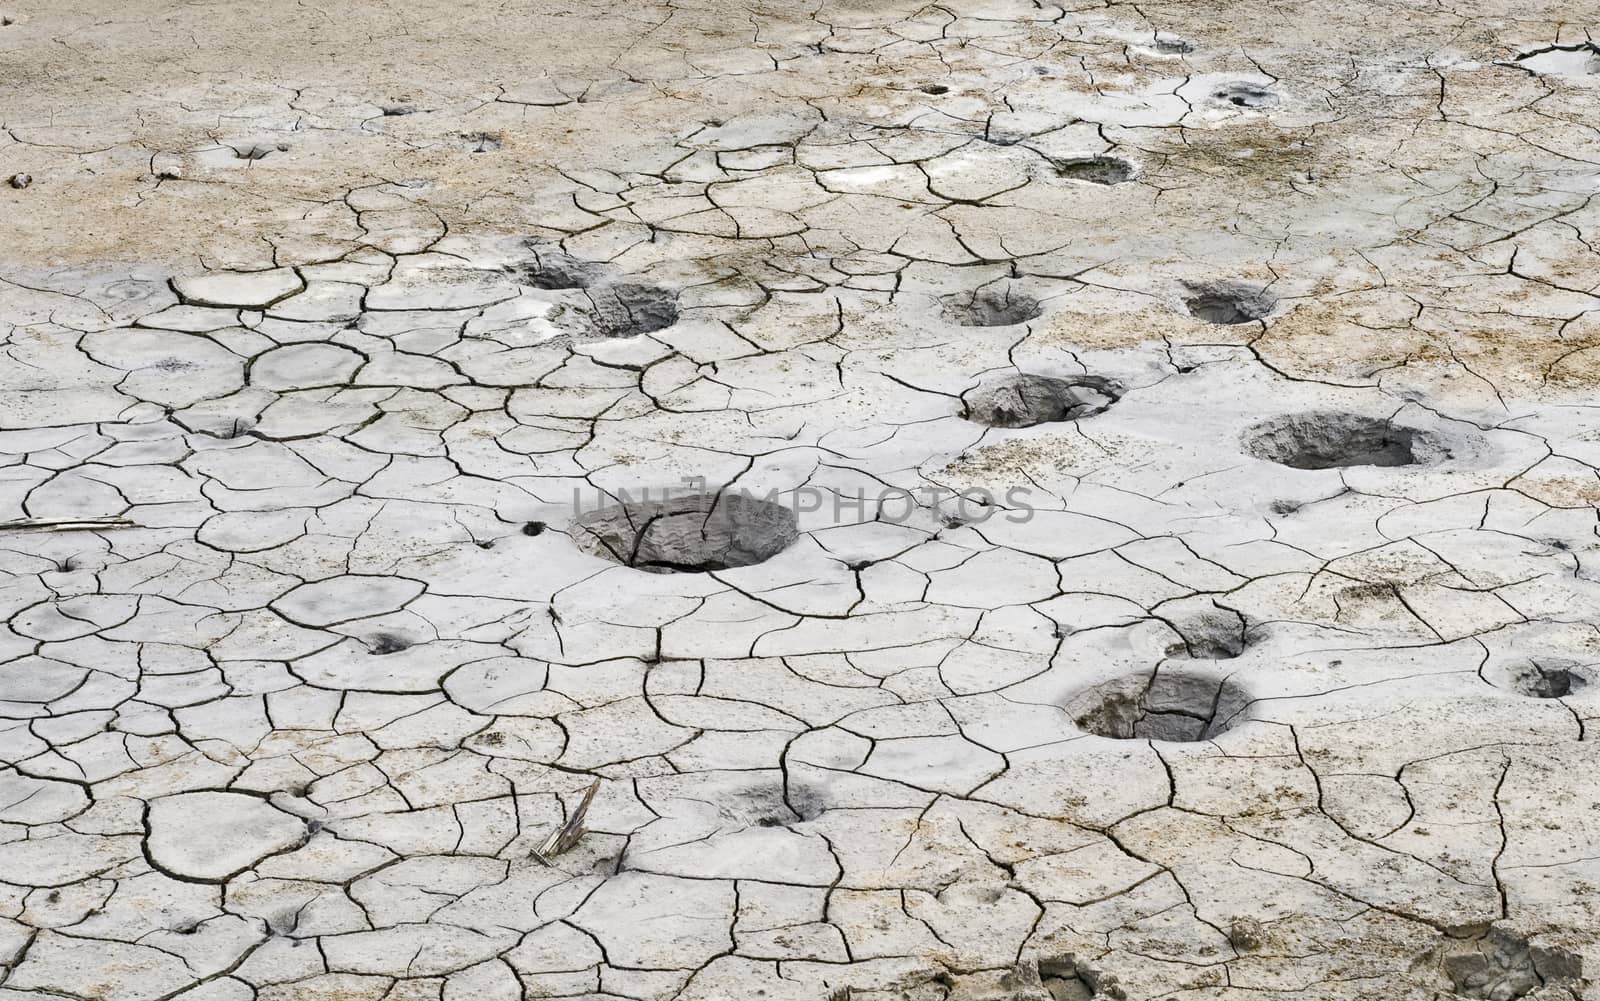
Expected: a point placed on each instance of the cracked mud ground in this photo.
(1271, 331)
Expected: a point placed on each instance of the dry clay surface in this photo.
(1258, 659)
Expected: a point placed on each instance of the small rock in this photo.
(20, 181)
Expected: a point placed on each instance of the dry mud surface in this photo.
(340, 341)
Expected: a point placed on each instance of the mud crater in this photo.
(552, 270)
(697, 533)
(1209, 631)
(1541, 681)
(628, 310)
(1228, 303)
(1103, 169)
(1333, 440)
(991, 306)
(1176, 706)
(604, 307)
(383, 644)
(1023, 400)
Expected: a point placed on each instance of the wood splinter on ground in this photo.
(568, 834)
(64, 524)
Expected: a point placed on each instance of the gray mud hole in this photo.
(1177, 706)
(1022, 400)
(1228, 303)
(998, 305)
(700, 533)
(627, 310)
(1208, 630)
(1541, 681)
(552, 270)
(1104, 170)
(1332, 440)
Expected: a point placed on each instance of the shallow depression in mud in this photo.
(1208, 630)
(1168, 705)
(1228, 302)
(627, 310)
(1023, 400)
(1540, 681)
(698, 533)
(1332, 440)
(552, 270)
(999, 305)
(1095, 169)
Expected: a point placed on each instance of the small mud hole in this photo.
(384, 644)
(1542, 681)
(1331, 440)
(629, 310)
(1239, 94)
(1228, 302)
(991, 306)
(552, 270)
(1170, 46)
(1178, 706)
(698, 533)
(1022, 400)
(1209, 631)
(1095, 169)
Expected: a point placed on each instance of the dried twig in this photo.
(64, 524)
(567, 835)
